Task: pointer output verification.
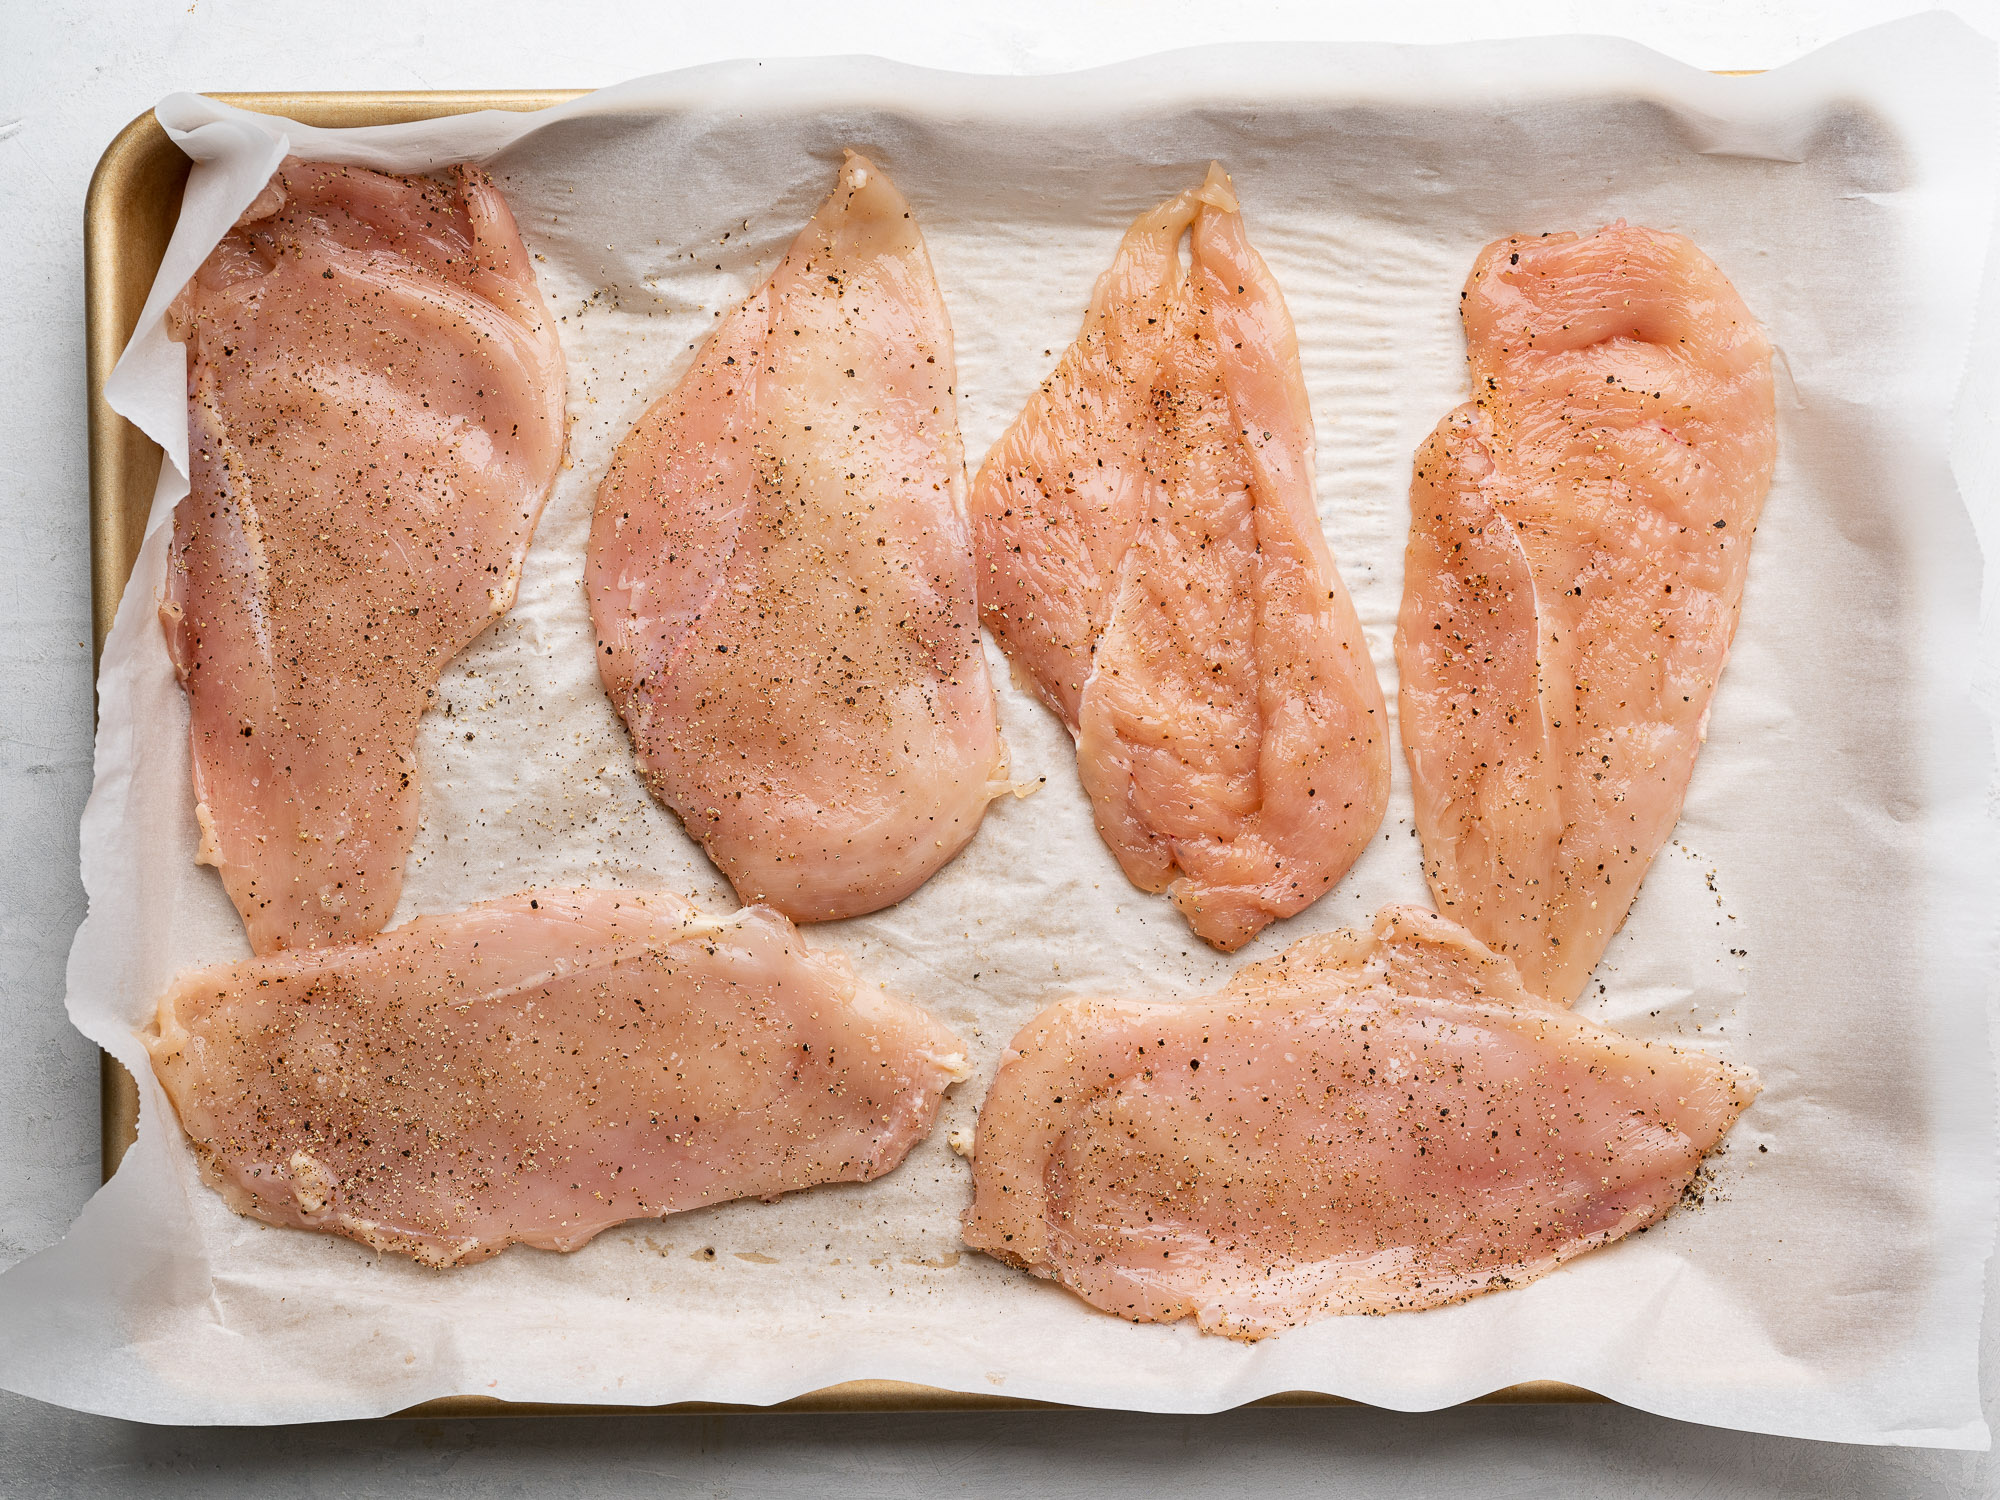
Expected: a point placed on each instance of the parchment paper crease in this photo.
(1825, 915)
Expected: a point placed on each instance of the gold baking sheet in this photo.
(129, 215)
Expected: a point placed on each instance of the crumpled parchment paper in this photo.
(1825, 914)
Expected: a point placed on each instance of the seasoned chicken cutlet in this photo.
(1151, 555)
(1369, 1123)
(538, 1069)
(1579, 536)
(375, 418)
(780, 573)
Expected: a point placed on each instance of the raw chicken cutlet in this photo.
(1151, 556)
(375, 417)
(1368, 1123)
(541, 1068)
(1579, 535)
(780, 573)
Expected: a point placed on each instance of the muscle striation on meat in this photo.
(375, 415)
(1579, 536)
(780, 573)
(1151, 556)
(1369, 1123)
(540, 1068)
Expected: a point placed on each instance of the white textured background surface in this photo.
(70, 76)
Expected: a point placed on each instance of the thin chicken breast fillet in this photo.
(780, 573)
(540, 1068)
(1369, 1123)
(375, 417)
(1151, 556)
(1579, 535)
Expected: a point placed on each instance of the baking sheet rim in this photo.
(133, 196)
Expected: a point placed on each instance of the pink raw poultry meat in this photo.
(375, 413)
(780, 573)
(1368, 1123)
(1579, 538)
(538, 1069)
(1150, 554)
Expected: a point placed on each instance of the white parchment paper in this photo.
(1825, 914)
